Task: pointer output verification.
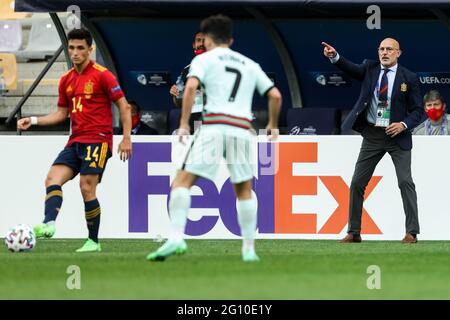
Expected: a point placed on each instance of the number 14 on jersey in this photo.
(77, 106)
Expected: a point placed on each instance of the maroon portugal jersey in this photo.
(89, 96)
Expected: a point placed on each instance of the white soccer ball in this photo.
(20, 238)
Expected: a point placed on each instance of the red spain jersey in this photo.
(89, 96)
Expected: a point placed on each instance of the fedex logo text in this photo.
(274, 192)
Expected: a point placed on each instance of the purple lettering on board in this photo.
(140, 184)
(209, 199)
(264, 189)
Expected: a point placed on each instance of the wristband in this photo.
(34, 120)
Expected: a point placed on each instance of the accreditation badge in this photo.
(383, 114)
(198, 102)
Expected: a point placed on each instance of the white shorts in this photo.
(214, 144)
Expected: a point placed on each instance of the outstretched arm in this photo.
(354, 70)
(53, 118)
(329, 51)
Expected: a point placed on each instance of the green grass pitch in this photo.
(212, 269)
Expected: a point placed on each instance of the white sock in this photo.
(50, 223)
(247, 221)
(179, 204)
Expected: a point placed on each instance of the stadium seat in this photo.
(303, 121)
(10, 35)
(7, 11)
(8, 72)
(43, 41)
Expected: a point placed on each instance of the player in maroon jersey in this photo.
(86, 93)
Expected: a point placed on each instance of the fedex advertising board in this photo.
(301, 184)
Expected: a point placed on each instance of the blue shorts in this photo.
(85, 158)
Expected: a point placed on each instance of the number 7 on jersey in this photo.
(237, 81)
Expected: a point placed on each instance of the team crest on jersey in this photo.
(88, 89)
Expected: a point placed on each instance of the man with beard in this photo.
(176, 91)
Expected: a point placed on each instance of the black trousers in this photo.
(374, 146)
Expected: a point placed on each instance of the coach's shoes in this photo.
(169, 248)
(44, 230)
(250, 256)
(351, 238)
(90, 246)
(409, 238)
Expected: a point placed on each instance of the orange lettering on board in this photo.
(287, 185)
(338, 220)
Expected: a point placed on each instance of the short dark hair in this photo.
(195, 35)
(218, 27)
(80, 34)
(432, 95)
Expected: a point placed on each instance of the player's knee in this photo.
(244, 194)
(243, 190)
(87, 187)
(50, 180)
(180, 184)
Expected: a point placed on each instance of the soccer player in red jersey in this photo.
(86, 93)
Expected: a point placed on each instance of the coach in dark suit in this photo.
(388, 108)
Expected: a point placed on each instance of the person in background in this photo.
(437, 122)
(138, 127)
(176, 91)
